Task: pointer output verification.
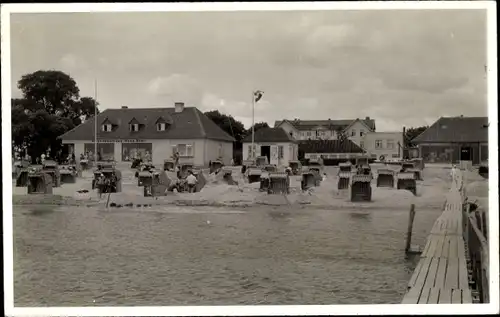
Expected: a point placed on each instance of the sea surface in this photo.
(173, 255)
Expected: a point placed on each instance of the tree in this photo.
(227, 123)
(51, 105)
(412, 133)
(257, 126)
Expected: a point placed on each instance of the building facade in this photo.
(388, 145)
(454, 139)
(125, 133)
(302, 130)
(275, 143)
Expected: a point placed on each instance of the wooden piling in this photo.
(410, 228)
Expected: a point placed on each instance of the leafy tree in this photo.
(51, 105)
(412, 133)
(227, 123)
(257, 126)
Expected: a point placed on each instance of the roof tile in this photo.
(188, 124)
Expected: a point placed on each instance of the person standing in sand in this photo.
(191, 181)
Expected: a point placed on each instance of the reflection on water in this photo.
(207, 256)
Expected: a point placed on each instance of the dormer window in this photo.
(134, 127)
(107, 127)
(161, 126)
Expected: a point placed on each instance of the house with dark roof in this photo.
(126, 133)
(454, 139)
(354, 129)
(279, 146)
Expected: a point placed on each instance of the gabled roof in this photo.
(188, 124)
(361, 121)
(269, 135)
(331, 124)
(329, 146)
(455, 129)
(134, 121)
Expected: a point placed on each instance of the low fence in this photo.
(475, 234)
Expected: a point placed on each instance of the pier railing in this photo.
(475, 236)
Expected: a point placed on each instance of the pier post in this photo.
(410, 228)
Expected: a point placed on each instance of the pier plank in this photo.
(441, 273)
(431, 274)
(466, 296)
(451, 280)
(446, 247)
(434, 296)
(416, 272)
(445, 296)
(424, 296)
(453, 247)
(463, 276)
(456, 296)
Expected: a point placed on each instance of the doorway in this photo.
(265, 150)
(466, 153)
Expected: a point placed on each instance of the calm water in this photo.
(203, 256)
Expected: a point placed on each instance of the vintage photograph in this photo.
(249, 157)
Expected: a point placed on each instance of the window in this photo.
(161, 126)
(250, 154)
(361, 132)
(185, 150)
(362, 144)
(106, 127)
(134, 127)
(353, 132)
(395, 155)
(378, 144)
(390, 144)
(308, 133)
(280, 152)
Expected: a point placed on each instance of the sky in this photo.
(402, 68)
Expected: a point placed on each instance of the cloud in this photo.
(399, 67)
(71, 63)
(176, 87)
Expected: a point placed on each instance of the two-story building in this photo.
(384, 145)
(353, 129)
(124, 133)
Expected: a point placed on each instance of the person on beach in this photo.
(178, 171)
(191, 181)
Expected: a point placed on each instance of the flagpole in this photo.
(253, 119)
(95, 121)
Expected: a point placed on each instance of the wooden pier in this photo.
(441, 276)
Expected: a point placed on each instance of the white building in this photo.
(302, 130)
(386, 144)
(275, 143)
(123, 133)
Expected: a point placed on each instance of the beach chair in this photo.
(385, 178)
(279, 183)
(361, 190)
(344, 180)
(296, 167)
(253, 174)
(406, 181)
(308, 180)
(39, 183)
(51, 167)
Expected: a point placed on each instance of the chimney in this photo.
(367, 118)
(124, 107)
(179, 107)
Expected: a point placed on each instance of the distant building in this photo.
(387, 144)
(275, 143)
(454, 139)
(354, 129)
(332, 151)
(127, 132)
